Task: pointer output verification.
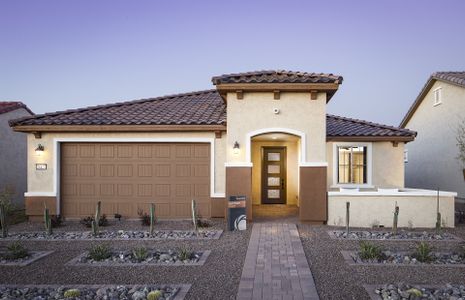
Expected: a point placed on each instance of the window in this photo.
(352, 164)
(437, 96)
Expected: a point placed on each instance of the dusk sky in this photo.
(57, 55)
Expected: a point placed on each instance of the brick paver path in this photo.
(275, 266)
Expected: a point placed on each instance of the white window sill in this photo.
(349, 186)
(436, 104)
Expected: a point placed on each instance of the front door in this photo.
(274, 175)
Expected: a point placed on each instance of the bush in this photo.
(423, 252)
(72, 293)
(185, 254)
(87, 221)
(140, 253)
(57, 221)
(144, 217)
(100, 252)
(16, 251)
(369, 251)
(154, 295)
(203, 223)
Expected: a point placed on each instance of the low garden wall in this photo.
(375, 208)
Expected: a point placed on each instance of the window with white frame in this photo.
(437, 96)
(352, 166)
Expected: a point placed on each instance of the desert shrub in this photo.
(100, 252)
(369, 251)
(87, 221)
(154, 295)
(57, 221)
(140, 253)
(16, 251)
(144, 217)
(201, 223)
(185, 253)
(423, 252)
(72, 293)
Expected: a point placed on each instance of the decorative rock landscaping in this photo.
(406, 291)
(388, 235)
(116, 235)
(405, 258)
(153, 257)
(140, 292)
(31, 257)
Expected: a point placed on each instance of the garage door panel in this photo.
(128, 177)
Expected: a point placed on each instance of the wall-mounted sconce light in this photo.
(236, 148)
(39, 150)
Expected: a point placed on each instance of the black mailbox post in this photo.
(236, 213)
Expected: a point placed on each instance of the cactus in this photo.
(72, 293)
(95, 222)
(194, 216)
(347, 216)
(3, 220)
(154, 295)
(438, 215)
(152, 218)
(396, 219)
(47, 220)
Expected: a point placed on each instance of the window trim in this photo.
(369, 161)
(437, 92)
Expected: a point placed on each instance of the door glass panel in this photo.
(273, 194)
(273, 156)
(273, 169)
(273, 181)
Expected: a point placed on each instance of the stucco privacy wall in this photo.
(387, 164)
(292, 170)
(42, 182)
(434, 151)
(366, 211)
(296, 112)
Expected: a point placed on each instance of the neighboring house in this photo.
(13, 152)
(435, 115)
(264, 135)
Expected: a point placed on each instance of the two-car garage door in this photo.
(127, 177)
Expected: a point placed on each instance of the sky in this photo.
(57, 55)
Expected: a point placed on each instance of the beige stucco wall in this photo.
(292, 170)
(432, 159)
(387, 164)
(297, 112)
(366, 211)
(43, 181)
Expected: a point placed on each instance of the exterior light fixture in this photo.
(39, 150)
(236, 148)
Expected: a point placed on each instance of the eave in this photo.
(117, 128)
(405, 139)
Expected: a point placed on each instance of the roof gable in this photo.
(7, 106)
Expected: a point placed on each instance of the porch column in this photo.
(239, 183)
(313, 194)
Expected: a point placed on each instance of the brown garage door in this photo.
(127, 177)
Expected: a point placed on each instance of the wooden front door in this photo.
(274, 175)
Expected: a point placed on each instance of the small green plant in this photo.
(396, 219)
(438, 216)
(194, 216)
(57, 221)
(369, 251)
(154, 295)
(140, 253)
(96, 221)
(100, 252)
(72, 293)
(347, 217)
(16, 251)
(185, 254)
(47, 221)
(87, 221)
(152, 218)
(144, 217)
(423, 252)
(3, 220)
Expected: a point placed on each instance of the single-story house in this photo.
(264, 135)
(13, 150)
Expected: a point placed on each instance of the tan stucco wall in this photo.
(432, 156)
(42, 181)
(297, 112)
(292, 170)
(387, 164)
(365, 211)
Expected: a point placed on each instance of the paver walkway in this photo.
(275, 266)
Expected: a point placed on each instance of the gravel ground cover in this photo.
(389, 235)
(31, 257)
(408, 291)
(406, 258)
(136, 292)
(335, 279)
(218, 278)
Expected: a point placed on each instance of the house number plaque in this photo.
(41, 167)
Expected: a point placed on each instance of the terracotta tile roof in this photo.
(7, 106)
(277, 76)
(457, 78)
(196, 108)
(347, 127)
